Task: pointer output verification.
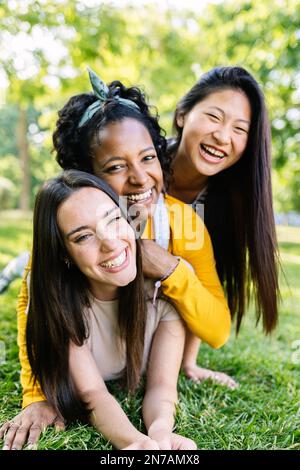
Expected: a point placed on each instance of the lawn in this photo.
(263, 413)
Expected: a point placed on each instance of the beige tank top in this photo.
(104, 342)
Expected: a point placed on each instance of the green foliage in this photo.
(162, 50)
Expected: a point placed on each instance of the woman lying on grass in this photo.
(89, 320)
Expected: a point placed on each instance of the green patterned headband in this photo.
(102, 92)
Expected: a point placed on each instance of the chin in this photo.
(127, 279)
(208, 170)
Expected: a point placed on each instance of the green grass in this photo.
(263, 413)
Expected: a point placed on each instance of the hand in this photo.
(145, 443)
(156, 260)
(172, 441)
(198, 374)
(182, 443)
(28, 425)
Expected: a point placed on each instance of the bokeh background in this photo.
(163, 46)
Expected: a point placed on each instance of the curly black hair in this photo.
(74, 147)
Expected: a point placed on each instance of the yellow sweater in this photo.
(198, 296)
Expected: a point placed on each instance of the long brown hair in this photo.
(59, 296)
(238, 207)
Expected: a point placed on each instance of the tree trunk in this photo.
(24, 160)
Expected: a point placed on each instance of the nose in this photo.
(109, 245)
(222, 135)
(137, 176)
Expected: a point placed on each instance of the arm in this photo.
(107, 415)
(197, 294)
(161, 391)
(31, 392)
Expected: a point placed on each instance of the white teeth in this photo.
(115, 262)
(213, 151)
(140, 197)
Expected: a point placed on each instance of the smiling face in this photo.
(98, 240)
(126, 158)
(215, 132)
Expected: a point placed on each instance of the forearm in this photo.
(106, 414)
(159, 410)
(110, 420)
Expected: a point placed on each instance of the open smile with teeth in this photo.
(113, 263)
(213, 152)
(140, 197)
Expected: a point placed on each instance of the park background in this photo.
(45, 48)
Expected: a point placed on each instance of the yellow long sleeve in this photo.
(197, 294)
(31, 392)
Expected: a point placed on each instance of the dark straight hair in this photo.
(238, 207)
(59, 296)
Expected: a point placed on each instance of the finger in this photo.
(34, 435)
(19, 438)
(4, 428)
(165, 445)
(150, 445)
(59, 425)
(188, 444)
(9, 437)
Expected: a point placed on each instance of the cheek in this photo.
(83, 256)
(195, 130)
(158, 174)
(117, 182)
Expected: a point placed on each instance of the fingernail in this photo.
(32, 447)
(5, 447)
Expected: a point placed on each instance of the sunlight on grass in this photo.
(263, 413)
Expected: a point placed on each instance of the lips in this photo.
(115, 262)
(139, 197)
(213, 151)
(206, 154)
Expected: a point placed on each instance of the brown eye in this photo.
(115, 219)
(82, 238)
(114, 168)
(240, 129)
(149, 158)
(213, 116)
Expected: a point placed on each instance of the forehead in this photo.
(84, 207)
(231, 101)
(125, 133)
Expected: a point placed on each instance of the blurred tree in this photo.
(164, 50)
(264, 38)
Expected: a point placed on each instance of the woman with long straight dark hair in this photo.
(90, 321)
(221, 158)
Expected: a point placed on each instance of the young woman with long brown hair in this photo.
(89, 319)
(221, 159)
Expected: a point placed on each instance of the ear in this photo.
(180, 120)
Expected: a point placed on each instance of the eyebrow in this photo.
(223, 113)
(84, 227)
(111, 159)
